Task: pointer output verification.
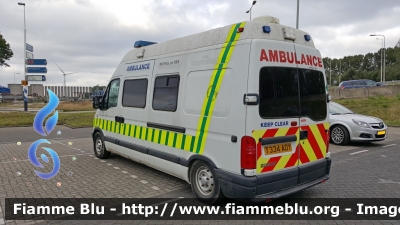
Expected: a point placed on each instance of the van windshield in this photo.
(291, 92)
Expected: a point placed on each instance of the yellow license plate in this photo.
(381, 132)
(278, 148)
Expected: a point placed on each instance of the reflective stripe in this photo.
(214, 85)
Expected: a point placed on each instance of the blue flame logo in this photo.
(32, 157)
(38, 126)
(44, 112)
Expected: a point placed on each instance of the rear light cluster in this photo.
(327, 140)
(248, 153)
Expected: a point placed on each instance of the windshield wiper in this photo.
(337, 113)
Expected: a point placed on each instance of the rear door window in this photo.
(291, 92)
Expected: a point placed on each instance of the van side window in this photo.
(111, 95)
(279, 96)
(165, 97)
(134, 93)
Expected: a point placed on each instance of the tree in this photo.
(5, 52)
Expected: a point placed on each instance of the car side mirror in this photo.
(328, 98)
(95, 102)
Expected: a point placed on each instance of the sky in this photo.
(90, 37)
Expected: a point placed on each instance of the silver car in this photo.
(347, 126)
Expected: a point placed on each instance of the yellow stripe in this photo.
(308, 150)
(163, 137)
(150, 132)
(187, 142)
(317, 135)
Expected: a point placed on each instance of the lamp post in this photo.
(24, 55)
(14, 77)
(249, 11)
(330, 72)
(297, 20)
(381, 55)
(384, 53)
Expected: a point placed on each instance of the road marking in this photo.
(383, 181)
(24, 160)
(102, 161)
(124, 172)
(117, 168)
(143, 182)
(133, 176)
(109, 164)
(383, 156)
(358, 152)
(388, 145)
(155, 188)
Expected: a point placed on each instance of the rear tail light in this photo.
(248, 153)
(342, 87)
(327, 140)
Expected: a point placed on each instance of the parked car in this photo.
(362, 83)
(345, 126)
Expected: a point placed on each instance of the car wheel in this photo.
(205, 185)
(339, 135)
(99, 148)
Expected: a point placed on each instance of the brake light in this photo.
(342, 87)
(327, 141)
(248, 153)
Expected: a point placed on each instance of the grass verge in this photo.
(73, 120)
(385, 108)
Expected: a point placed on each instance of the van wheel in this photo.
(204, 183)
(339, 135)
(99, 147)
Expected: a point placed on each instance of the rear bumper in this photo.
(265, 187)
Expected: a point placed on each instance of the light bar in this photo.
(307, 37)
(266, 29)
(139, 44)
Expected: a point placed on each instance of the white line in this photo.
(358, 152)
(165, 206)
(133, 176)
(24, 160)
(388, 145)
(383, 156)
(173, 210)
(144, 182)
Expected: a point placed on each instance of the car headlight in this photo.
(361, 124)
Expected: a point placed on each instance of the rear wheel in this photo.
(99, 148)
(339, 135)
(204, 183)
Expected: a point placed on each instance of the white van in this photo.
(238, 111)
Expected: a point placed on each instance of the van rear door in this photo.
(274, 122)
(314, 123)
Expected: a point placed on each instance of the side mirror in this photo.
(328, 98)
(95, 102)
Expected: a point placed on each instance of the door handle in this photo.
(119, 119)
(303, 134)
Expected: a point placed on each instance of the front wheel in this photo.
(340, 135)
(204, 183)
(99, 148)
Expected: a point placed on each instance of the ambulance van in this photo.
(238, 111)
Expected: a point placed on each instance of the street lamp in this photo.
(381, 55)
(24, 55)
(14, 77)
(249, 11)
(297, 20)
(384, 53)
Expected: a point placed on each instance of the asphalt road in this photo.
(363, 170)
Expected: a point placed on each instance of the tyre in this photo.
(205, 185)
(99, 147)
(339, 135)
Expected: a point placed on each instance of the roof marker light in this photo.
(266, 29)
(240, 29)
(307, 37)
(139, 44)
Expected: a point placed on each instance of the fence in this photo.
(390, 90)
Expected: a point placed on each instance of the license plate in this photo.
(278, 148)
(381, 132)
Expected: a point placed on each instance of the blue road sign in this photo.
(29, 47)
(36, 78)
(36, 70)
(37, 62)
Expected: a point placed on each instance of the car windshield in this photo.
(337, 109)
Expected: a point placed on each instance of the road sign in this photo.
(38, 62)
(29, 47)
(29, 55)
(36, 69)
(36, 78)
(25, 92)
(24, 82)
